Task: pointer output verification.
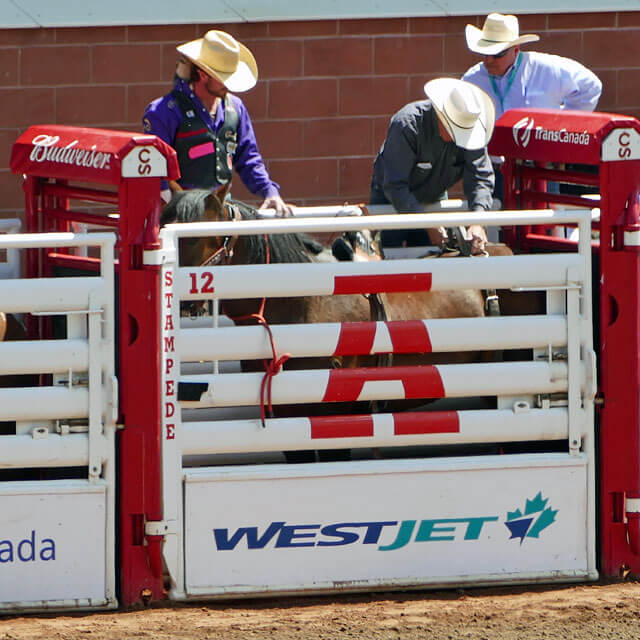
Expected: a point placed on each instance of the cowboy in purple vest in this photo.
(210, 128)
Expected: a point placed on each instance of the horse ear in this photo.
(222, 191)
(214, 204)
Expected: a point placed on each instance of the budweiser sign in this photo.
(46, 149)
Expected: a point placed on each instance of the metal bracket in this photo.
(111, 416)
(161, 528)
(591, 370)
(157, 257)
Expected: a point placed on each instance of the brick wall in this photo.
(326, 89)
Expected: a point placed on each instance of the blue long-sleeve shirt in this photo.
(163, 117)
(539, 80)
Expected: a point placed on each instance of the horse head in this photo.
(199, 205)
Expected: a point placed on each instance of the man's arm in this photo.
(582, 87)
(478, 182)
(250, 166)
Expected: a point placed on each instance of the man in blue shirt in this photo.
(519, 79)
(210, 128)
(516, 79)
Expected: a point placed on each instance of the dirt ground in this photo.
(583, 612)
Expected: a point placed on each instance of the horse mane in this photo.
(185, 206)
(191, 206)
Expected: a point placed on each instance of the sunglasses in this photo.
(502, 54)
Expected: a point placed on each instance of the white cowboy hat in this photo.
(465, 110)
(498, 33)
(224, 58)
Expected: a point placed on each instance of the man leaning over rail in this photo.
(210, 128)
(430, 145)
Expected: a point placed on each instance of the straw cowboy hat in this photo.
(224, 58)
(498, 33)
(465, 110)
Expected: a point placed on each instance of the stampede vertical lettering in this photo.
(169, 357)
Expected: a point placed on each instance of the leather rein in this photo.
(223, 256)
(224, 253)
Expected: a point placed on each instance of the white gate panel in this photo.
(371, 523)
(57, 537)
(53, 548)
(314, 527)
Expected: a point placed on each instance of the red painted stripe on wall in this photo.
(409, 337)
(417, 422)
(393, 283)
(356, 338)
(345, 385)
(359, 426)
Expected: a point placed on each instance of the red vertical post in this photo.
(619, 369)
(140, 466)
(34, 256)
(512, 236)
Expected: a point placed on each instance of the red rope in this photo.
(274, 366)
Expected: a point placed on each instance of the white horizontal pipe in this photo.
(285, 434)
(458, 380)
(453, 204)
(22, 452)
(287, 280)
(43, 356)
(50, 240)
(321, 339)
(316, 212)
(43, 403)
(381, 222)
(55, 295)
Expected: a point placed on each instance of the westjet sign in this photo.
(343, 533)
(526, 523)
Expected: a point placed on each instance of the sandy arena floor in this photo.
(581, 612)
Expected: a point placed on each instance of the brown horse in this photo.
(201, 206)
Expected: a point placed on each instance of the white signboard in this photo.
(385, 522)
(621, 144)
(52, 541)
(144, 162)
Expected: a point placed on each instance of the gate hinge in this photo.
(161, 528)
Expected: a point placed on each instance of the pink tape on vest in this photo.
(201, 150)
